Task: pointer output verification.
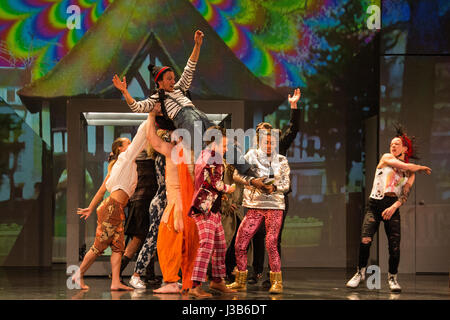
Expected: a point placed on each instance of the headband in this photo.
(160, 71)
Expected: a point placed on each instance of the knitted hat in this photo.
(157, 72)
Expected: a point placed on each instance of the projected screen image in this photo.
(412, 27)
(256, 51)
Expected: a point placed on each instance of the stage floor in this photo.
(299, 284)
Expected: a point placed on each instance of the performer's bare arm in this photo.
(389, 160)
(161, 146)
(388, 212)
(86, 212)
(407, 189)
(198, 40)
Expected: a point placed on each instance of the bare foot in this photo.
(120, 287)
(79, 281)
(168, 288)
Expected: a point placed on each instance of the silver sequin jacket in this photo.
(278, 164)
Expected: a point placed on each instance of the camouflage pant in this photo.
(110, 230)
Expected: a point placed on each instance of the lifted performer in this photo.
(175, 105)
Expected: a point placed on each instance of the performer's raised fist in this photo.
(198, 37)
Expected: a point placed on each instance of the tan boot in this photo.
(199, 293)
(276, 281)
(220, 286)
(240, 282)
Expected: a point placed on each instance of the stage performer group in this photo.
(205, 219)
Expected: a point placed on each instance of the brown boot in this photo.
(199, 293)
(240, 282)
(220, 286)
(276, 281)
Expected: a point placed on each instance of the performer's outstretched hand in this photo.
(425, 170)
(198, 37)
(294, 99)
(121, 85)
(84, 213)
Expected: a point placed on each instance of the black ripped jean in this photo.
(370, 226)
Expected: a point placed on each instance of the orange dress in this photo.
(177, 242)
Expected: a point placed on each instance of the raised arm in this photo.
(198, 40)
(393, 162)
(157, 143)
(138, 143)
(146, 105)
(188, 73)
(288, 135)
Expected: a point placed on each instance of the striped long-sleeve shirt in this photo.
(177, 99)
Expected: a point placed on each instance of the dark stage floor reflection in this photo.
(299, 284)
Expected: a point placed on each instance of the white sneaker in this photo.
(137, 283)
(393, 284)
(359, 276)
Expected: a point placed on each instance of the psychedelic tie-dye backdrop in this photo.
(323, 46)
(37, 29)
(282, 43)
(272, 38)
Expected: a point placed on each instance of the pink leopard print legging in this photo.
(247, 230)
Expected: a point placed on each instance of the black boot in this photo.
(150, 276)
(266, 283)
(254, 278)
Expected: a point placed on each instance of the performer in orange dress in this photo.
(177, 242)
